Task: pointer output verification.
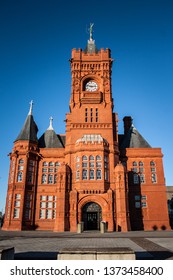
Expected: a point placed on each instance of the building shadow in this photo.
(135, 202)
(154, 255)
(39, 255)
(144, 255)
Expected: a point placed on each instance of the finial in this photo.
(91, 31)
(50, 125)
(31, 106)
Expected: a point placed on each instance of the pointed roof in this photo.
(29, 129)
(133, 139)
(50, 139)
(91, 47)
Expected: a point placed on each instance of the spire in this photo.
(91, 47)
(29, 129)
(31, 106)
(50, 125)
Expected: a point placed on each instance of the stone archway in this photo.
(91, 216)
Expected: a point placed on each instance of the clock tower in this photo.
(91, 137)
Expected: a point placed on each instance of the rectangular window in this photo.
(44, 169)
(28, 205)
(91, 114)
(49, 204)
(48, 214)
(42, 204)
(137, 197)
(91, 174)
(16, 213)
(42, 213)
(31, 168)
(153, 178)
(143, 204)
(96, 114)
(48, 207)
(77, 175)
(86, 114)
(99, 164)
(142, 178)
(18, 196)
(51, 169)
(106, 175)
(98, 174)
(27, 214)
(91, 164)
(135, 170)
(20, 167)
(153, 169)
(30, 177)
(135, 179)
(141, 169)
(17, 203)
(84, 174)
(50, 179)
(137, 204)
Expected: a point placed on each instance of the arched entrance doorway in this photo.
(91, 216)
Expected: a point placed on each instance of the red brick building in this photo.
(90, 174)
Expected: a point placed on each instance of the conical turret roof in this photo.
(29, 129)
(50, 139)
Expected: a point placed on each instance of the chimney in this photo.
(127, 124)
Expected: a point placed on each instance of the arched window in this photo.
(98, 158)
(21, 161)
(135, 163)
(45, 163)
(152, 163)
(91, 158)
(141, 163)
(51, 163)
(84, 158)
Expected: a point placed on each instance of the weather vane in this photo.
(91, 30)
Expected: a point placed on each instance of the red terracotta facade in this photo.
(90, 177)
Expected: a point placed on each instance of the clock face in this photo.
(91, 86)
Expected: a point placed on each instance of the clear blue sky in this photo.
(36, 38)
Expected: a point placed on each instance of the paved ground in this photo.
(43, 245)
